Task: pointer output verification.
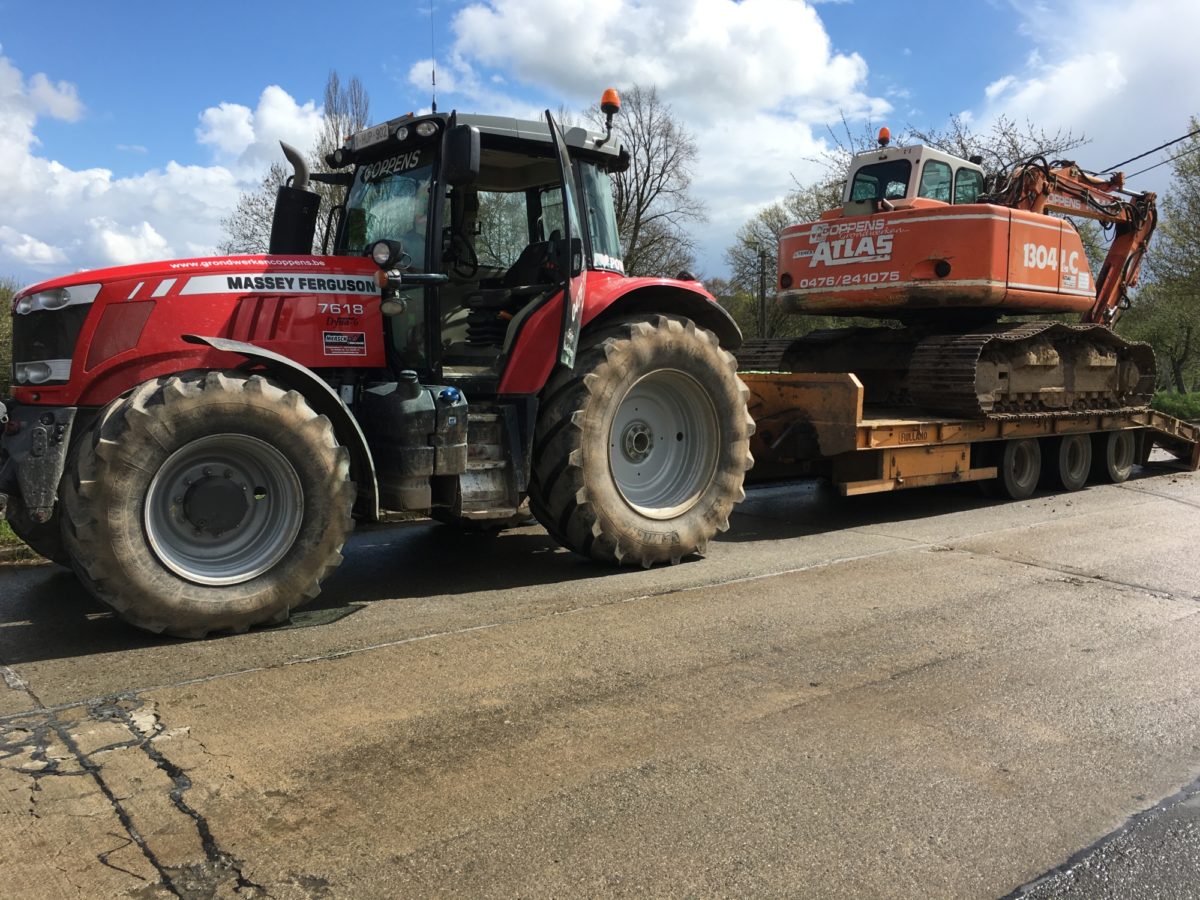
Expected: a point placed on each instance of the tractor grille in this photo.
(47, 334)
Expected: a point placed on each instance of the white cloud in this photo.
(57, 219)
(755, 81)
(1123, 74)
(249, 139)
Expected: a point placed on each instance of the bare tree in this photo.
(248, 228)
(653, 196)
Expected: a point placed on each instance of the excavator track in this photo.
(1013, 368)
(1030, 367)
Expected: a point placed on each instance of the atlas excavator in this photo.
(965, 382)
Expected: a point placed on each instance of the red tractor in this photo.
(196, 437)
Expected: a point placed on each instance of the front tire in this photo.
(640, 450)
(207, 502)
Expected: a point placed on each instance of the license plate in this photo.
(372, 135)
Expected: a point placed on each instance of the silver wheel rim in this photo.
(223, 509)
(663, 444)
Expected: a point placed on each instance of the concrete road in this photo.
(924, 694)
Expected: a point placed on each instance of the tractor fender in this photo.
(678, 298)
(324, 400)
(608, 296)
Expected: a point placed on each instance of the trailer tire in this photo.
(44, 539)
(640, 451)
(1020, 468)
(1113, 456)
(1068, 462)
(207, 502)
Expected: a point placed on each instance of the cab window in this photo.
(935, 181)
(881, 181)
(968, 185)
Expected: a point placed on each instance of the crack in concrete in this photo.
(1071, 572)
(31, 737)
(218, 863)
(1160, 494)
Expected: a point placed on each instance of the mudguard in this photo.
(325, 401)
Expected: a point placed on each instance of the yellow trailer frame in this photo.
(809, 421)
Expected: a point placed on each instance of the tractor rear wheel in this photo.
(207, 502)
(640, 451)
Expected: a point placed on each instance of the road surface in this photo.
(921, 694)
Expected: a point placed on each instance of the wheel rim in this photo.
(663, 444)
(223, 509)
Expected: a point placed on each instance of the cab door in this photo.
(570, 252)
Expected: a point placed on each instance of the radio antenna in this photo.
(433, 56)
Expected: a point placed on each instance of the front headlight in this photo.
(56, 298)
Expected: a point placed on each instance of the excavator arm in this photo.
(1062, 187)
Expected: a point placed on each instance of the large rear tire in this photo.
(207, 502)
(640, 451)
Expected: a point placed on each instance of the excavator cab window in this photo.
(968, 185)
(882, 181)
(935, 181)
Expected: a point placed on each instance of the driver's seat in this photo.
(493, 306)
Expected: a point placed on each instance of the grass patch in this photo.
(1181, 406)
(7, 538)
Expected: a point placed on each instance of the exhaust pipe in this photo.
(294, 225)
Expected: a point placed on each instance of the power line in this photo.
(1163, 163)
(1148, 152)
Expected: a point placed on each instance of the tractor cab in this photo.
(477, 222)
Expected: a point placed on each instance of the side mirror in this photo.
(569, 259)
(462, 155)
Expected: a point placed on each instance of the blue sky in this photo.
(127, 130)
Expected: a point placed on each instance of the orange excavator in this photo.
(919, 239)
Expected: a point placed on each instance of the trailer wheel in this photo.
(1067, 466)
(44, 539)
(1020, 468)
(641, 450)
(207, 502)
(1113, 455)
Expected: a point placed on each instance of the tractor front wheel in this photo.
(641, 449)
(207, 502)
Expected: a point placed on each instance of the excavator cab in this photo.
(894, 177)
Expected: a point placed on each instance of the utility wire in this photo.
(1164, 162)
(1148, 152)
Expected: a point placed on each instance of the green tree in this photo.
(8, 288)
(1166, 312)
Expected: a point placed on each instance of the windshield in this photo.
(390, 199)
(881, 181)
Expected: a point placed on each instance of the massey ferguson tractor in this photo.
(195, 438)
